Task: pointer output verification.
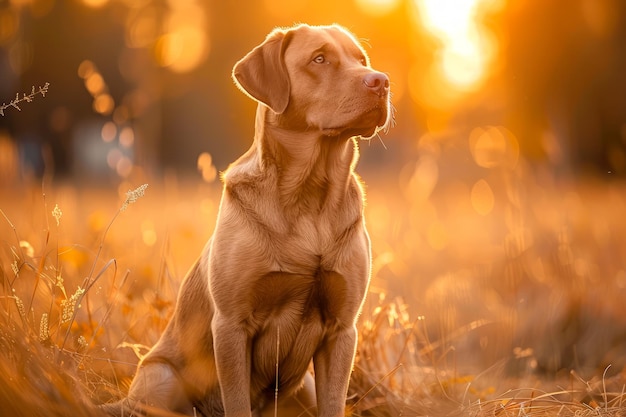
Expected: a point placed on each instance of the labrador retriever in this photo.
(283, 278)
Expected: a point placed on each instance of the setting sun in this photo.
(466, 47)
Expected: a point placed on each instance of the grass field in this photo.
(496, 291)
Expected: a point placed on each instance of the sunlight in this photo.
(284, 9)
(148, 232)
(377, 7)
(142, 27)
(482, 197)
(184, 45)
(466, 47)
(463, 62)
(494, 146)
(95, 3)
(206, 167)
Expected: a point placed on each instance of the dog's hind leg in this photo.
(155, 387)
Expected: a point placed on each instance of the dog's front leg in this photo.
(232, 356)
(333, 365)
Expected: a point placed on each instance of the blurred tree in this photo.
(556, 80)
(565, 66)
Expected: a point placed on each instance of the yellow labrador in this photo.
(283, 278)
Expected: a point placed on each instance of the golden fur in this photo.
(289, 262)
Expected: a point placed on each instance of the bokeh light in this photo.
(482, 197)
(206, 167)
(424, 179)
(142, 27)
(185, 43)
(124, 166)
(95, 3)
(94, 83)
(85, 69)
(127, 137)
(20, 57)
(437, 235)
(103, 104)
(148, 232)
(494, 146)
(109, 131)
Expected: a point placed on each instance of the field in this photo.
(498, 289)
(499, 274)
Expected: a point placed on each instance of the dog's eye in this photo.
(363, 61)
(320, 59)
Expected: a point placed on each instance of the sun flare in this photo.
(466, 47)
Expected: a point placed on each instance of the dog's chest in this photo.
(294, 313)
(306, 244)
(296, 298)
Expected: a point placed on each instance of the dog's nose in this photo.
(377, 82)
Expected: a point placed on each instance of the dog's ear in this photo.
(262, 75)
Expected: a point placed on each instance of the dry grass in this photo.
(514, 312)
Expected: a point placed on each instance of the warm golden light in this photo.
(113, 157)
(127, 137)
(94, 83)
(121, 114)
(95, 3)
(463, 63)
(142, 27)
(109, 131)
(86, 69)
(377, 7)
(494, 146)
(281, 8)
(184, 45)
(424, 178)
(181, 50)
(124, 167)
(437, 236)
(466, 47)
(148, 233)
(206, 167)
(103, 104)
(482, 197)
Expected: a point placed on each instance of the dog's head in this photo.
(317, 78)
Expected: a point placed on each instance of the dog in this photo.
(281, 282)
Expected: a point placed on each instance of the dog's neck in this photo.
(311, 169)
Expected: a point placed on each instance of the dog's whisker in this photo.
(381, 140)
(277, 359)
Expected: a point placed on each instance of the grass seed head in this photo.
(44, 330)
(68, 306)
(20, 305)
(57, 213)
(134, 195)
